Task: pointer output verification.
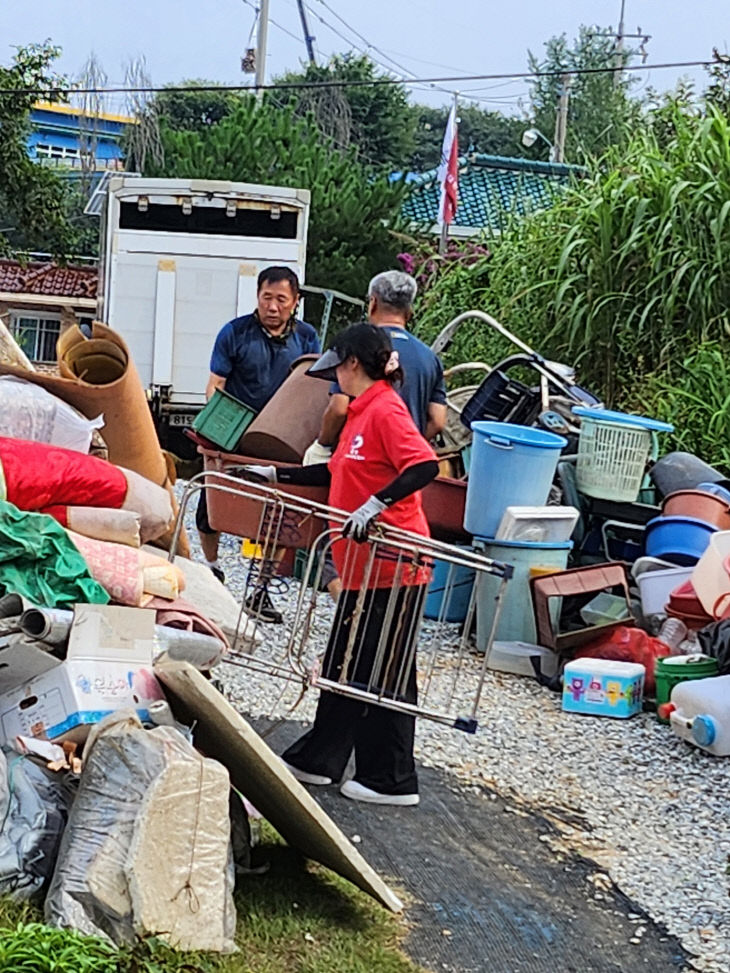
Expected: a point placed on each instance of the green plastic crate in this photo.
(223, 420)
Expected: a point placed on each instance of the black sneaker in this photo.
(259, 605)
(218, 573)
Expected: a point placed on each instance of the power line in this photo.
(369, 48)
(253, 6)
(369, 83)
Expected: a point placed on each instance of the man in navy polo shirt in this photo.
(251, 359)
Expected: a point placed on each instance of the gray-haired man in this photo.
(390, 305)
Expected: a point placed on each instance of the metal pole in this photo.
(561, 120)
(619, 47)
(305, 30)
(444, 237)
(261, 49)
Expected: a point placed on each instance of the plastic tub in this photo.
(537, 524)
(681, 540)
(674, 669)
(698, 505)
(453, 582)
(241, 516)
(711, 577)
(510, 465)
(515, 657)
(684, 604)
(517, 622)
(655, 587)
(613, 449)
(716, 489)
(605, 608)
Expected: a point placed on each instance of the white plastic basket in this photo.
(611, 459)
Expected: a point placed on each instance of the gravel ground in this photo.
(650, 810)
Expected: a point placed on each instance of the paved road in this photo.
(508, 903)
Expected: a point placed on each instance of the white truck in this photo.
(179, 258)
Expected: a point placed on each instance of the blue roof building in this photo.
(492, 190)
(61, 133)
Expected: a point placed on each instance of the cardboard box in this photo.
(108, 667)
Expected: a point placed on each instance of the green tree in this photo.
(718, 91)
(352, 212)
(191, 110)
(33, 206)
(601, 110)
(376, 121)
(488, 132)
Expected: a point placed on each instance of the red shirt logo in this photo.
(356, 445)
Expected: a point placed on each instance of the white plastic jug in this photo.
(701, 713)
(710, 578)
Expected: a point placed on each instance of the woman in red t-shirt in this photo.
(378, 469)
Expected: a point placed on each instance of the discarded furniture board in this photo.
(576, 581)
(108, 667)
(259, 774)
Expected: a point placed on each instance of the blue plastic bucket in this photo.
(453, 582)
(516, 621)
(510, 465)
(681, 540)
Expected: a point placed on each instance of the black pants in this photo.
(201, 514)
(381, 738)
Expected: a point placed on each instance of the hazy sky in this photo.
(205, 38)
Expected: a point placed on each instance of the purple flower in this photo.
(407, 262)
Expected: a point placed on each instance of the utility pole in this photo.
(561, 120)
(308, 39)
(618, 48)
(261, 49)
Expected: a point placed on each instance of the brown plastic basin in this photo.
(696, 503)
(242, 516)
(684, 604)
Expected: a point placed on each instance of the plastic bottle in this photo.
(701, 713)
(672, 633)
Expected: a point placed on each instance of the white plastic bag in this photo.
(31, 412)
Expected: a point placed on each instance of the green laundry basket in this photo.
(223, 420)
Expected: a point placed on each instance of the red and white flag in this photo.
(448, 174)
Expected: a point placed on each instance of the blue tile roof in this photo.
(490, 187)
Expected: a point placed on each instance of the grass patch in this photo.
(297, 918)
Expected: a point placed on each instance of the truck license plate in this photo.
(180, 419)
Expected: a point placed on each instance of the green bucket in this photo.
(673, 669)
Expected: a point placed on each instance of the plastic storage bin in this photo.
(452, 582)
(223, 420)
(517, 621)
(602, 687)
(515, 657)
(655, 587)
(701, 714)
(542, 525)
(612, 452)
(510, 465)
(605, 608)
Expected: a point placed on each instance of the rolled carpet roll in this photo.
(97, 375)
